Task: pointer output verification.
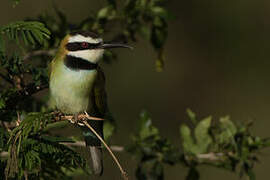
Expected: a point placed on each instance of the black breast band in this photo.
(77, 64)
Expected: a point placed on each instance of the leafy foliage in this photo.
(226, 145)
(223, 145)
(32, 152)
(41, 156)
(135, 19)
(35, 152)
(30, 32)
(151, 150)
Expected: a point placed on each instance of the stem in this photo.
(124, 174)
(6, 79)
(39, 53)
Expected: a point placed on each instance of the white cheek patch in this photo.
(80, 38)
(89, 55)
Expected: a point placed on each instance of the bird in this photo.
(77, 85)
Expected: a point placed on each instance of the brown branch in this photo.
(5, 125)
(82, 120)
(31, 89)
(210, 156)
(57, 118)
(50, 52)
(117, 148)
(20, 95)
(25, 175)
(3, 154)
(114, 148)
(6, 79)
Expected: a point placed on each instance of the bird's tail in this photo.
(96, 157)
(93, 145)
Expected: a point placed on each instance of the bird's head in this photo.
(86, 45)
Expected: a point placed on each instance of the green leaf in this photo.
(30, 37)
(24, 38)
(160, 61)
(57, 139)
(158, 37)
(15, 2)
(145, 31)
(202, 134)
(192, 116)
(2, 103)
(147, 130)
(109, 129)
(159, 65)
(188, 141)
(228, 130)
(106, 13)
(251, 175)
(27, 30)
(160, 11)
(2, 45)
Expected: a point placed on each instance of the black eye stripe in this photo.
(76, 46)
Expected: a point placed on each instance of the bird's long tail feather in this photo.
(96, 159)
(93, 146)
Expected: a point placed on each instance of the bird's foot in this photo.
(80, 118)
(57, 115)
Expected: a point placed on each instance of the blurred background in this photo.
(217, 63)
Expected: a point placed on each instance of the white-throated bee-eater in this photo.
(77, 85)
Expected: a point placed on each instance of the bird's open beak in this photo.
(114, 45)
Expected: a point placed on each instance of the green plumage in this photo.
(76, 91)
(77, 84)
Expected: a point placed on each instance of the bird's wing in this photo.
(99, 96)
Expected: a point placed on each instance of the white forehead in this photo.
(80, 38)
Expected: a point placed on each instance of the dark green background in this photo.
(217, 62)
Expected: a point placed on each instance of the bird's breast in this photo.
(70, 90)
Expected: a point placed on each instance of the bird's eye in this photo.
(84, 45)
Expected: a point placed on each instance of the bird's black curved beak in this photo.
(114, 45)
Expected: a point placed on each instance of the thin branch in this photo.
(3, 154)
(124, 174)
(6, 79)
(114, 148)
(25, 175)
(58, 117)
(50, 52)
(82, 118)
(31, 89)
(117, 148)
(211, 156)
(20, 95)
(5, 125)
(76, 144)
